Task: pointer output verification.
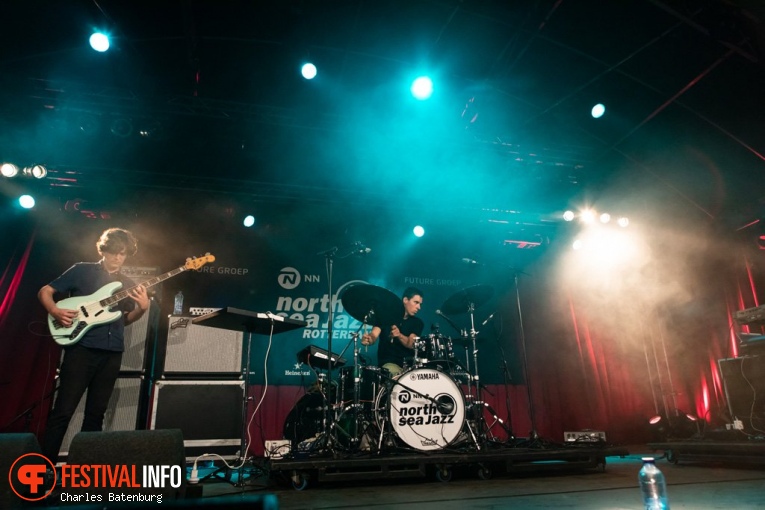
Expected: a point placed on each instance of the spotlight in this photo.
(658, 427)
(677, 425)
(99, 42)
(9, 170)
(26, 201)
(37, 171)
(598, 111)
(623, 221)
(422, 88)
(605, 218)
(418, 231)
(249, 220)
(568, 215)
(308, 71)
(588, 216)
(684, 426)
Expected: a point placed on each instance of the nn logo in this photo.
(289, 278)
(27, 477)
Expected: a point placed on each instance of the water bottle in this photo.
(653, 486)
(178, 307)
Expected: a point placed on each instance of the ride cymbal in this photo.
(467, 299)
(374, 305)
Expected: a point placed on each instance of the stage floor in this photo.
(708, 484)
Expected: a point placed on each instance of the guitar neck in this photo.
(119, 296)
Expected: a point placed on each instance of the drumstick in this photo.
(364, 332)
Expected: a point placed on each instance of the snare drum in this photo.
(426, 408)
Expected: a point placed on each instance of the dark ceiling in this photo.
(215, 86)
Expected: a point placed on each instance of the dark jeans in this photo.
(83, 368)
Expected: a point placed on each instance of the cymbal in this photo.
(461, 301)
(376, 305)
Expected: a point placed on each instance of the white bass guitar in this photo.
(95, 309)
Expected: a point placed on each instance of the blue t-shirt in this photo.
(85, 278)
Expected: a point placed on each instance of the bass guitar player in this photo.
(93, 363)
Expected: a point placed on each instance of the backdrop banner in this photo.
(297, 285)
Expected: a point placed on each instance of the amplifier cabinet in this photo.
(193, 349)
(208, 412)
(140, 341)
(744, 381)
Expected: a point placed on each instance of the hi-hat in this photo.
(468, 299)
(374, 305)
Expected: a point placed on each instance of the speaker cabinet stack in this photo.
(200, 390)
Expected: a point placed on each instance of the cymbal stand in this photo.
(467, 371)
(355, 407)
(329, 258)
(478, 401)
(355, 439)
(473, 335)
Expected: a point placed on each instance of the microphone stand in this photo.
(329, 256)
(533, 434)
(506, 378)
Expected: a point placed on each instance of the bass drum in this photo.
(426, 408)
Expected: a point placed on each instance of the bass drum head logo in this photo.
(289, 278)
(28, 477)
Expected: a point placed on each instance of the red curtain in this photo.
(28, 358)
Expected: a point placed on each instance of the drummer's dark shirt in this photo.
(395, 352)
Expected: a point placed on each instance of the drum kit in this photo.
(434, 404)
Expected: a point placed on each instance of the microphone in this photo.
(490, 317)
(471, 262)
(439, 312)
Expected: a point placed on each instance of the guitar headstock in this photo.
(197, 262)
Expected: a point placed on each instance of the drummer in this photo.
(397, 340)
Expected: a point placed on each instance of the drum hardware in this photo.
(372, 306)
(466, 301)
(497, 420)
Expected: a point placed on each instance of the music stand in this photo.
(236, 319)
